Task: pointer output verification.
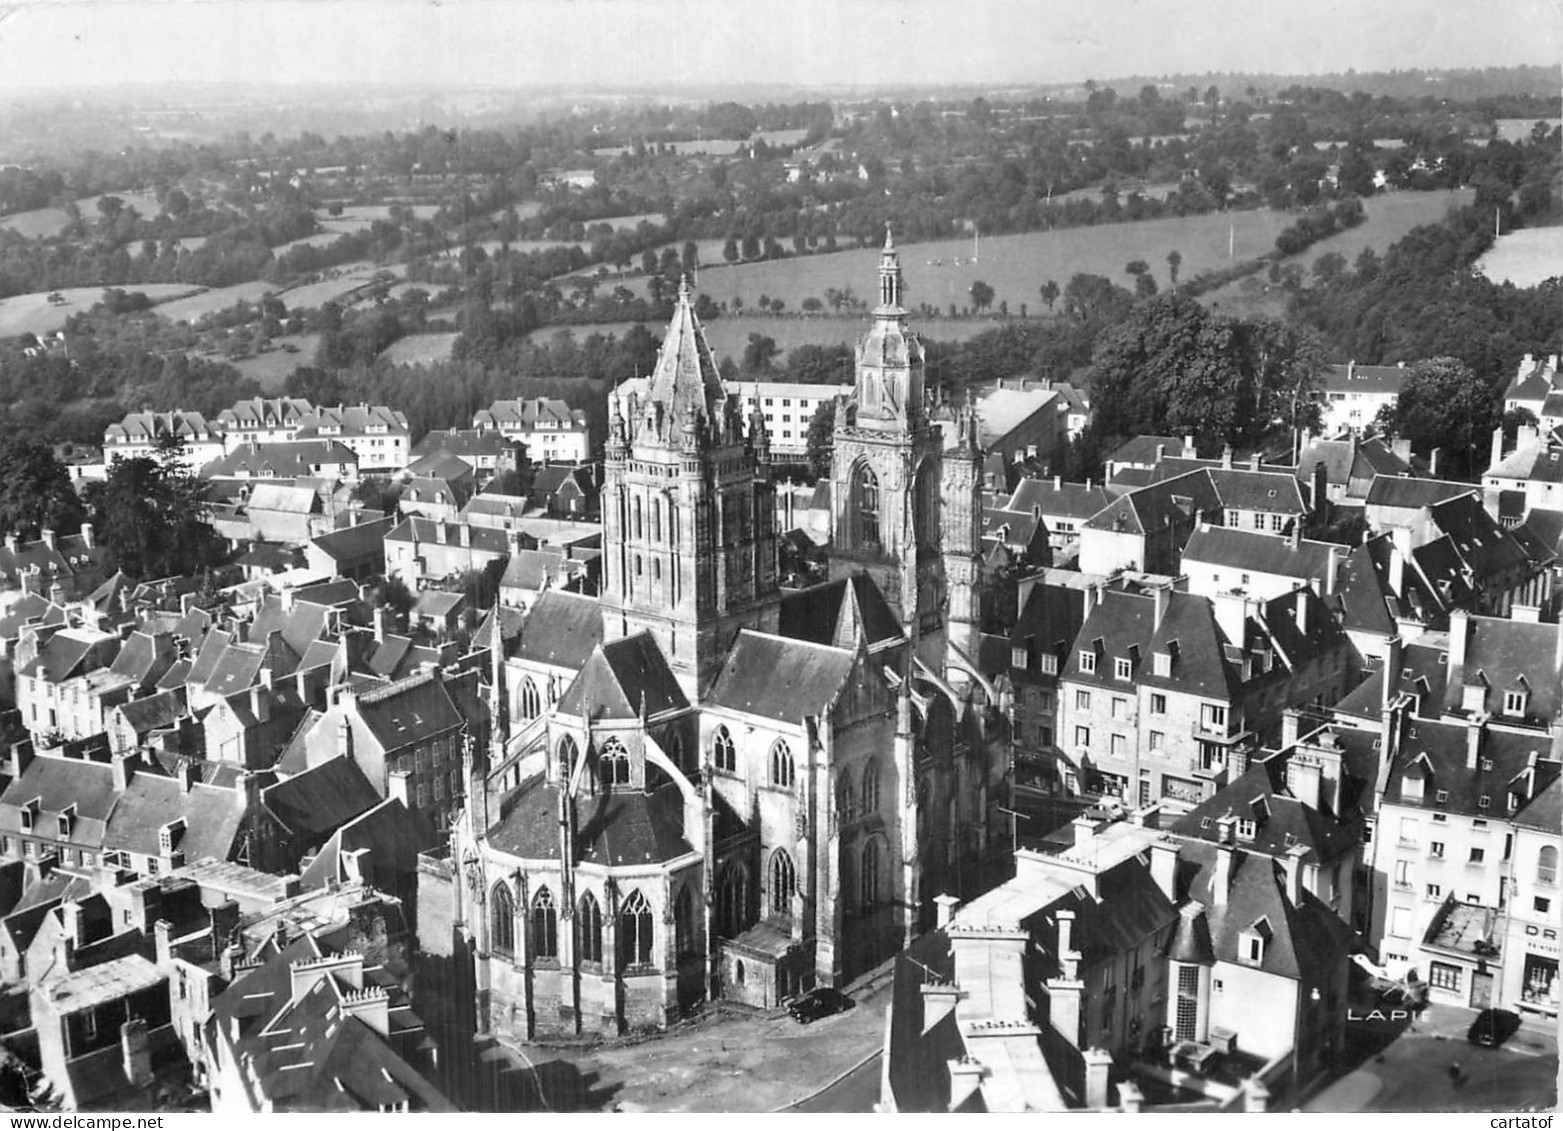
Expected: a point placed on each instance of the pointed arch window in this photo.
(588, 929)
(868, 505)
(784, 882)
(781, 764)
(868, 875)
(684, 921)
(613, 764)
(724, 755)
(635, 931)
(846, 798)
(501, 921)
(871, 787)
(545, 926)
(567, 752)
(637, 531)
(531, 701)
(732, 898)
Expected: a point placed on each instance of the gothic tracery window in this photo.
(502, 921)
(545, 926)
(868, 505)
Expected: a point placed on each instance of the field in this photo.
(1525, 258)
(209, 302)
(20, 314)
(273, 368)
(1390, 217)
(1015, 266)
(44, 222)
(419, 348)
(728, 336)
(342, 281)
(358, 217)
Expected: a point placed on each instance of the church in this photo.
(701, 784)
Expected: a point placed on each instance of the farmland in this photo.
(417, 349)
(942, 272)
(729, 335)
(276, 365)
(1525, 258)
(44, 223)
(34, 313)
(210, 302)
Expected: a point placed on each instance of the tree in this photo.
(759, 353)
(35, 490)
(1050, 293)
(151, 516)
(1144, 281)
(1174, 265)
(393, 594)
(730, 250)
(378, 493)
(981, 295)
(822, 438)
(1443, 405)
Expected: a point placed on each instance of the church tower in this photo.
(689, 514)
(887, 473)
(961, 538)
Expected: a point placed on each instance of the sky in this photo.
(672, 43)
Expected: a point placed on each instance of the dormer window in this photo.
(1087, 661)
(1162, 664)
(1516, 701)
(66, 819)
(1049, 664)
(1474, 698)
(1252, 941)
(1246, 827)
(1122, 668)
(1442, 796)
(1413, 782)
(1017, 658)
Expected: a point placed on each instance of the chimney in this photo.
(1432, 463)
(1068, 956)
(1397, 570)
(1131, 1101)
(47, 536)
(1292, 865)
(465, 534)
(10, 542)
(1161, 596)
(1331, 565)
(188, 775)
(1291, 724)
(397, 788)
(1294, 536)
(1253, 461)
(1459, 631)
(21, 757)
(186, 603)
(1058, 482)
(1226, 457)
(136, 1052)
(1302, 610)
(124, 769)
(1306, 776)
(1161, 452)
(1188, 446)
(1497, 447)
(1401, 448)
(939, 999)
(162, 932)
(946, 904)
(86, 535)
(1393, 661)
(1473, 741)
(75, 927)
(381, 617)
(1221, 882)
(1164, 867)
(1098, 1069)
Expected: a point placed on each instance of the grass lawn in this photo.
(20, 314)
(273, 368)
(1525, 258)
(420, 348)
(44, 222)
(209, 302)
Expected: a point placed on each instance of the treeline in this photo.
(1318, 225)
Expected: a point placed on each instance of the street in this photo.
(857, 1091)
(1431, 1067)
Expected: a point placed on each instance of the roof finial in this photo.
(889, 237)
(683, 288)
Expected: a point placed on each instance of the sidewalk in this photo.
(723, 1061)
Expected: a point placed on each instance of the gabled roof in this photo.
(467, 443)
(1383, 380)
(69, 653)
(561, 630)
(529, 413)
(346, 543)
(318, 801)
(392, 834)
(264, 412)
(1142, 451)
(780, 679)
(284, 498)
(353, 420)
(1500, 651)
(1438, 753)
(619, 678)
(212, 816)
(1282, 822)
(1362, 595)
(410, 711)
(283, 460)
(1544, 811)
(1057, 499)
(622, 828)
(1421, 675)
(839, 613)
(1407, 492)
(1257, 552)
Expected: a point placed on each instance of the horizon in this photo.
(667, 46)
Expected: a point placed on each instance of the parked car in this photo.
(818, 1003)
(1492, 1027)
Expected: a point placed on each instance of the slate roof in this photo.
(464, 443)
(284, 498)
(686, 375)
(919, 1054)
(353, 420)
(1131, 908)
(561, 629)
(780, 679)
(392, 834)
(1257, 552)
(1306, 938)
(1362, 595)
(483, 539)
(57, 784)
(621, 675)
(153, 712)
(1282, 821)
(1545, 810)
(1414, 494)
(838, 613)
(1500, 652)
(263, 413)
(410, 711)
(1483, 546)
(1273, 491)
(314, 804)
(1050, 620)
(347, 543)
(620, 828)
(283, 460)
(1061, 500)
(1437, 752)
(30, 608)
(528, 413)
(1354, 378)
(1421, 674)
(1142, 450)
(69, 653)
(1165, 503)
(213, 817)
